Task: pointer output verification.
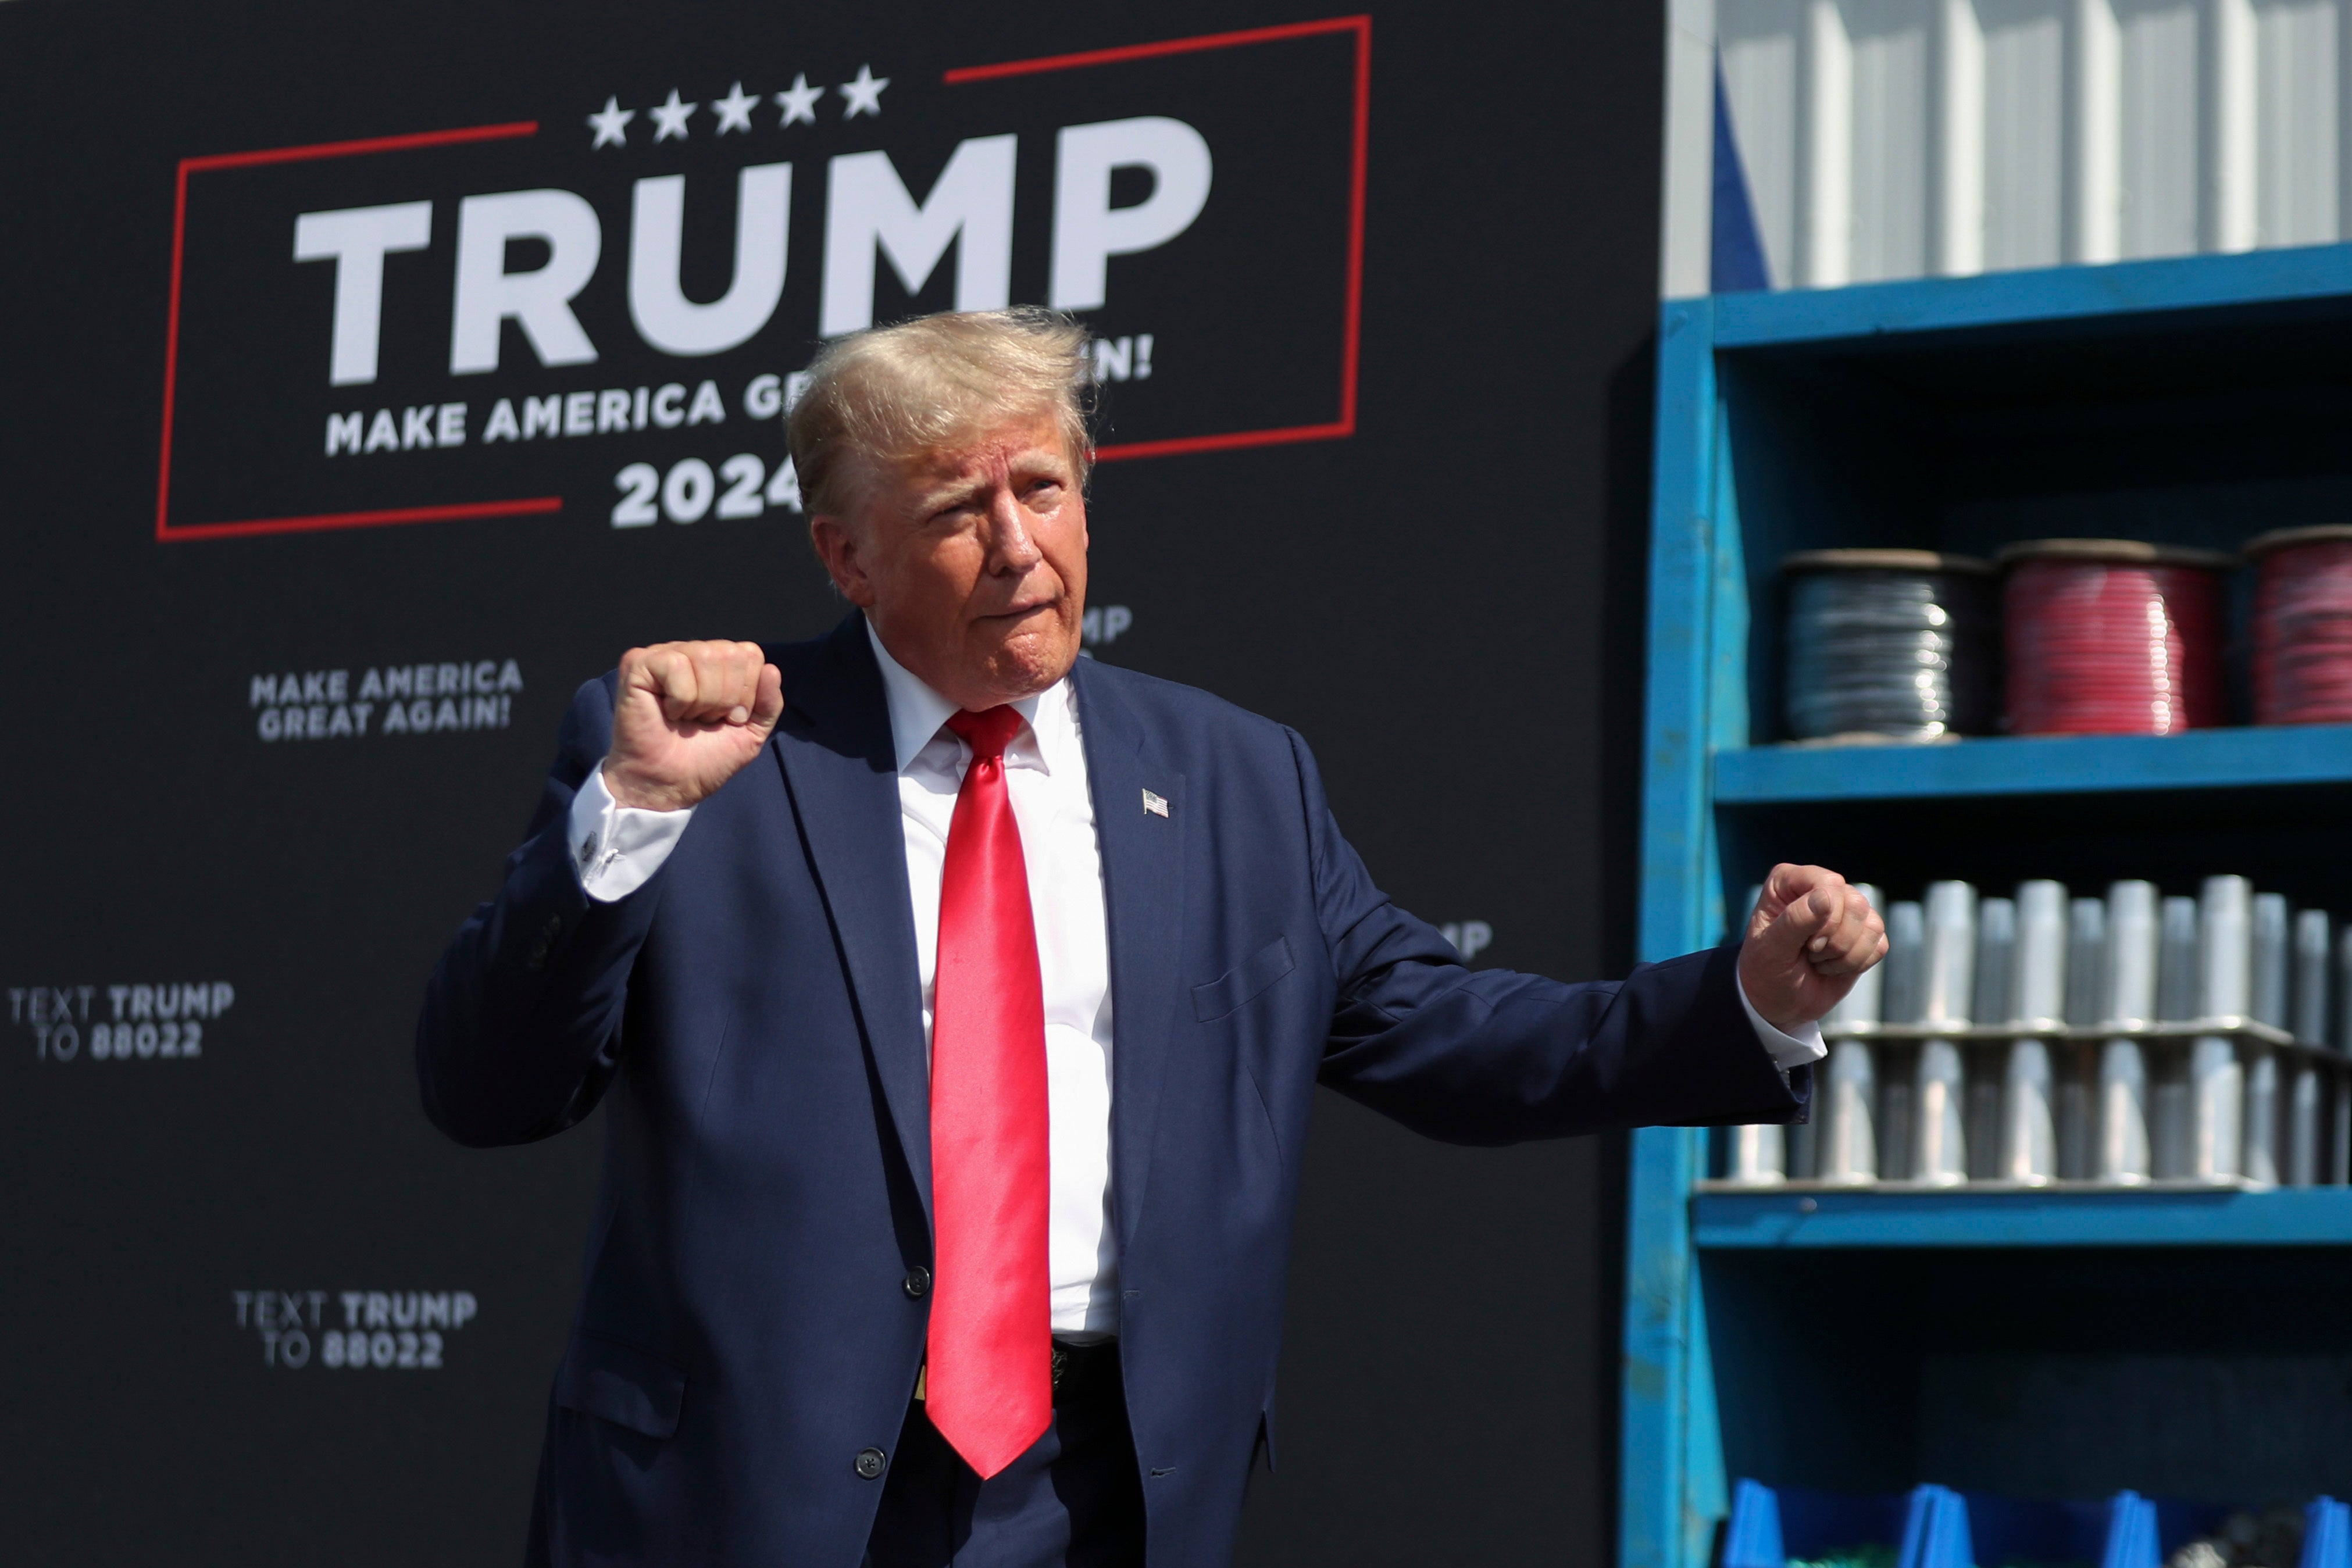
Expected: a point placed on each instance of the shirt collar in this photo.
(917, 713)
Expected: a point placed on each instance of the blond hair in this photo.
(888, 394)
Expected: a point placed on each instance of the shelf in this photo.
(2040, 1217)
(2042, 299)
(2037, 765)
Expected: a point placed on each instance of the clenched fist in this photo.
(686, 717)
(1809, 937)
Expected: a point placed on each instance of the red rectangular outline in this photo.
(1345, 425)
(165, 534)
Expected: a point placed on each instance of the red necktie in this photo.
(990, 1391)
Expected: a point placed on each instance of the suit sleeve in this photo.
(522, 1026)
(1488, 1056)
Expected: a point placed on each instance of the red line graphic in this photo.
(1352, 333)
(370, 519)
(172, 342)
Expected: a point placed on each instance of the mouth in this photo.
(1019, 611)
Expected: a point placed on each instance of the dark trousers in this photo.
(1073, 1500)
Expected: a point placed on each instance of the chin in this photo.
(1027, 665)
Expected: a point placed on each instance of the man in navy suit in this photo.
(957, 1005)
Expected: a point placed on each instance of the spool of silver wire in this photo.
(1895, 643)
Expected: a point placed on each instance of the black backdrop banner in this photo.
(373, 377)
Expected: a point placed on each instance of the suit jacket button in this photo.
(869, 1463)
(918, 1281)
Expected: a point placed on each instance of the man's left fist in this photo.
(1809, 935)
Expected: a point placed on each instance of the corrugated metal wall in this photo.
(1899, 138)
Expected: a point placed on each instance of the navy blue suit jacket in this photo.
(751, 1020)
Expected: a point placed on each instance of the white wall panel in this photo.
(1758, 41)
(1896, 138)
(1887, 224)
(2296, 140)
(2024, 152)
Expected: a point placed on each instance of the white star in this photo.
(799, 100)
(864, 94)
(669, 119)
(611, 124)
(734, 110)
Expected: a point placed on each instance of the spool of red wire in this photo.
(2303, 626)
(2112, 637)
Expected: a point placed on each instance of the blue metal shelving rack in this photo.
(1952, 413)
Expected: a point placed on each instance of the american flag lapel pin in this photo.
(1155, 804)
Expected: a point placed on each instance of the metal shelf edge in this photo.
(2156, 1216)
(2234, 757)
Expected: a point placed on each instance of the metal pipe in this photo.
(2307, 1099)
(2259, 1155)
(2217, 1079)
(2078, 1070)
(1907, 958)
(2130, 1002)
(1987, 1061)
(1848, 1139)
(2028, 1150)
(1940, 1150)
(2178, 982)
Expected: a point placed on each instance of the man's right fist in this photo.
(688, 715)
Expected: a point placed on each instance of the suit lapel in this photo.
(833, 744)
(1143, 883)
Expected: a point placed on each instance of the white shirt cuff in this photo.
(616, 849)
(1787, 1051)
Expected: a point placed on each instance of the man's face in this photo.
(972, 564)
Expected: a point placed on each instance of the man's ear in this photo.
(836, 542)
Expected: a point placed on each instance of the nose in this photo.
(1010, 551)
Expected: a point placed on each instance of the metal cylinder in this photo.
(2123, 1154)
(2216, 1077)
(1906, 965)
(2038, 961)
(2312, 942)
(1993, 991)
(1907, 953)
(2129, 1000)
(1986, 1062)
(2271, 997)
(2225, 947)
(2077, 1065)
(2179, 977)
(1948, 981)
(2132, 945)
(2029, 1139)
(1847, 1097)
(2308, 1098)
(1757, 1156)
(2339, 1141)
(2302, 1126)
(1940, 1150)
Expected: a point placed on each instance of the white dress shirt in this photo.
(617, 849)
